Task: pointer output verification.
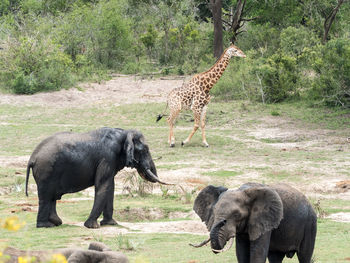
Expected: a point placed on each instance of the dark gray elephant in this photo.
(69, 162)
(267, 221)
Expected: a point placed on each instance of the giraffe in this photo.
(194, 95)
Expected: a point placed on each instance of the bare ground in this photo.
(126, 89)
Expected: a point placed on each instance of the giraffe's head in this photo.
(233, 51)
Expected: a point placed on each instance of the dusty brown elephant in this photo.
(96, 253)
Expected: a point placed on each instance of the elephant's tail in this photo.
(30, 165)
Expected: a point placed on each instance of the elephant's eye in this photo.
(236, 215)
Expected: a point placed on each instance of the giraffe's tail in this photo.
(160, 116)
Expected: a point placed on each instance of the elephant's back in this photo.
(293, 200)
(298, 217)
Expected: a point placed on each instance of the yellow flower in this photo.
(12, 223)
(25, 259)
(58, 258)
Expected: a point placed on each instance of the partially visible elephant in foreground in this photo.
(267, 221)
(96, 253)
(70, 162)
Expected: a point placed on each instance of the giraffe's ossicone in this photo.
(194, 95)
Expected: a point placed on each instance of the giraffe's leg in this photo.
(203, 114)
(171, 121)
(197, 118)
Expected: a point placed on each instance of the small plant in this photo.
(12, 223)
(321, 213)
(275, 113)
(165, 191)
(58, 258)
(98, 238)
(18, 183)
(26, 259)
(4, 258)
(125, 243)
(135, 184)
(187, 195)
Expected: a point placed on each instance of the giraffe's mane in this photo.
(223, 53)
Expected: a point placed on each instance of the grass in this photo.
(237, 154)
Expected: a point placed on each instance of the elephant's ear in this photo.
(129, 149)
(205, 201)
(266, 211)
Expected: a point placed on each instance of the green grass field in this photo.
(290, 143)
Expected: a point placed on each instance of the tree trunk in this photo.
(329, 21)
(216, 6)
(237, 19)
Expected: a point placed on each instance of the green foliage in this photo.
(97, 35)
(279, 77)
(332, 86)
(30, 64)
(150, 37)
(87, 39)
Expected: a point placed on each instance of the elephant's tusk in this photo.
(201, 244)
(225, 248)
(155, 178)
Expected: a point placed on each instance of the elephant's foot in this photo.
(55, 220)
(111, 222)
(91, 224)
(45, 224)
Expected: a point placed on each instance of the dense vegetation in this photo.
(52, 44)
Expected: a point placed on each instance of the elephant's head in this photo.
(138, 156)
(253, 209)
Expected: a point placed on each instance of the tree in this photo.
(329, 19)
(216, 6)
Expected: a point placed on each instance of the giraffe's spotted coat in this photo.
(194, 95)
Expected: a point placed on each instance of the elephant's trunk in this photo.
(200, 244)
(153, 178)
(214, 236)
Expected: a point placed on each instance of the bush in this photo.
(33, 64)
(279, 77)
(99, 33)
(332, 85)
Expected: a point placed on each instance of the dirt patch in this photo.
(14, 161)
(343, 186)
(174, 227)
(340, 217)
(119, 90)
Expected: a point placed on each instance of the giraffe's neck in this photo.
(211, 76)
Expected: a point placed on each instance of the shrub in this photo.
(279, 77)
(31, 64)
(332, 85)
(99, 33)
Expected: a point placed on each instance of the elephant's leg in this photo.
(259, 248)
(307, 245)
(43, 214)
(104, 182)
(276, 257)
(108, 210)
(242, 248)
(54, 218)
